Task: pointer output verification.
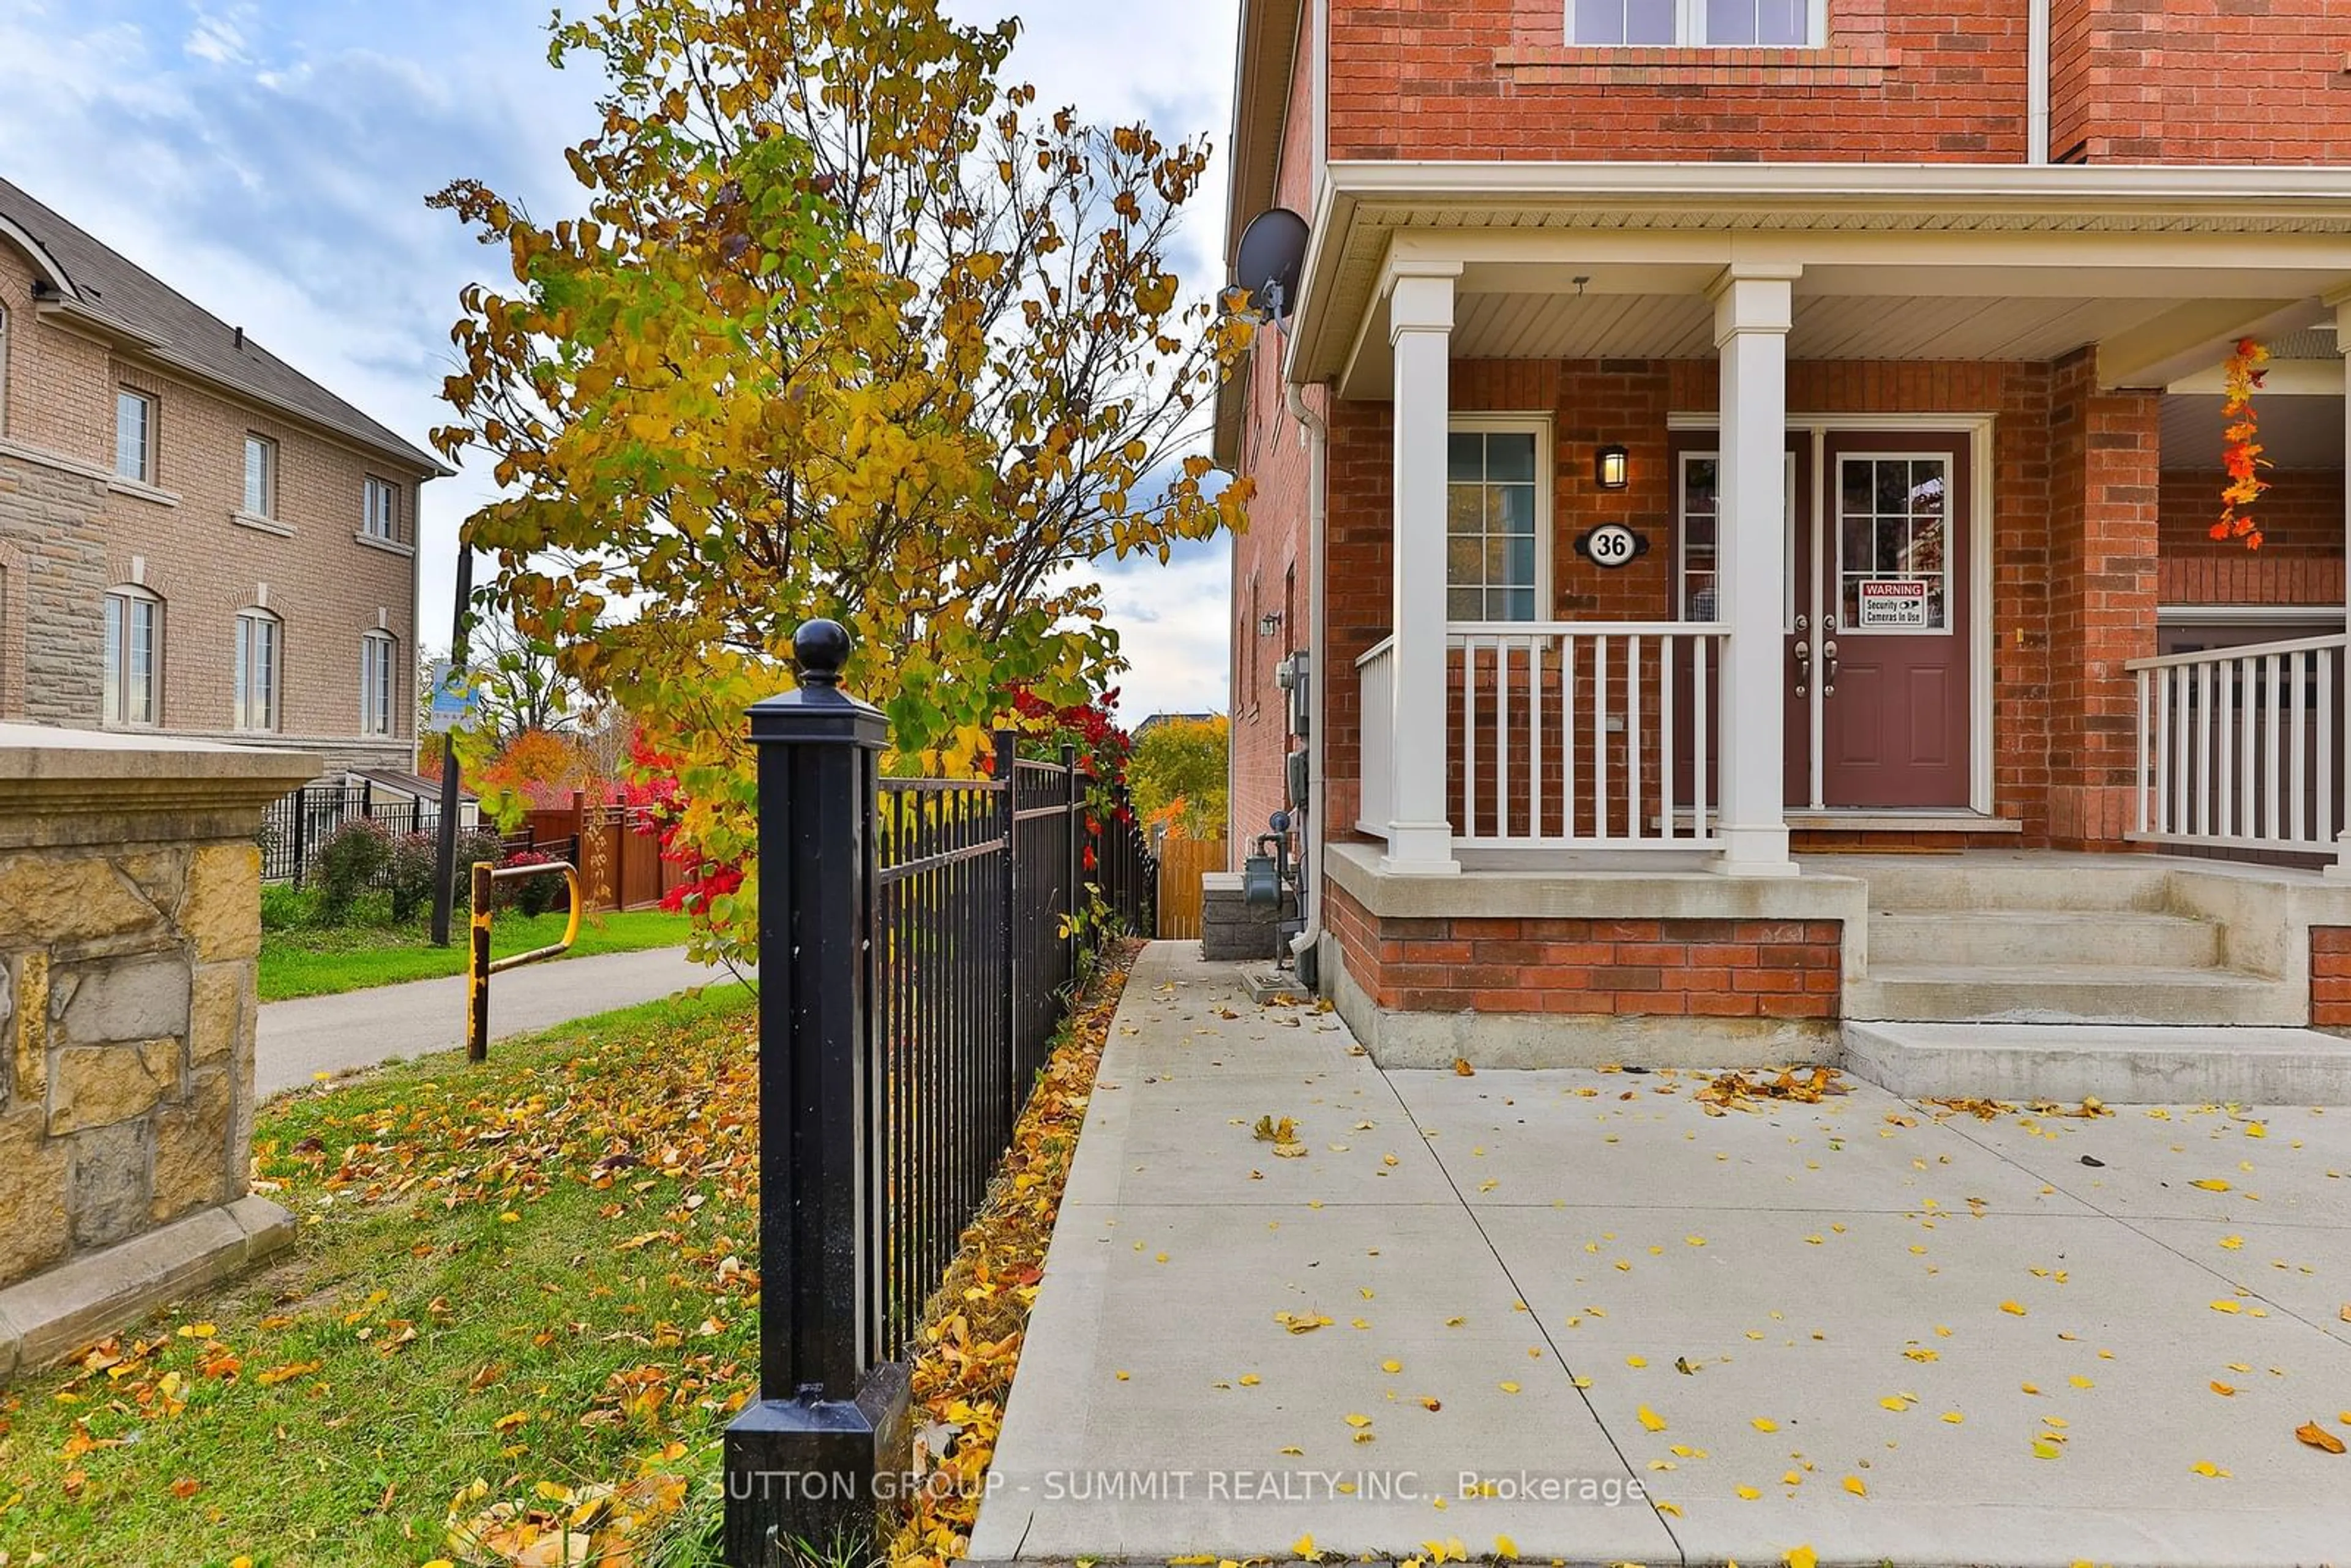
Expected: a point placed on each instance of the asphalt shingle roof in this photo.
(112, 288)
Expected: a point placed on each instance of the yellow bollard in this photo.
(477, 972)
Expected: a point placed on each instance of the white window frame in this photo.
(379, 684)
(270, 700)
(1540, 426)
(143, 470)
(380, 510)
(268, 508)
(1833, 543)
(1681, 536)
(1689, 30)
(116, 707)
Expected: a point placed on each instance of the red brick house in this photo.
(1740, 473)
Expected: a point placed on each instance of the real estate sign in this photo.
(453, 699)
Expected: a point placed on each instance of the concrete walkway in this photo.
(300, 1038)
(1569, 1314)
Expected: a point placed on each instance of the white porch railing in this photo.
(1563, 735)
(1375, 787)
(2238, 748)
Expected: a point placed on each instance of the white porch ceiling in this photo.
(2297, 431)
(2161, 268)
(1827, 327)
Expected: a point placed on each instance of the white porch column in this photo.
(1753, 311)
(2341, 869)
(1420, 325)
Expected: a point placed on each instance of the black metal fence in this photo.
(296, 826)
(919, 940)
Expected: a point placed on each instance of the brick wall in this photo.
(2330, 976)
(78, 533)
(1273, 557)
(2199, 81)
(2301, 557)
(2104, 453)
(1902, 80)
(2189, 81)
(49, 536)
(1696, 969)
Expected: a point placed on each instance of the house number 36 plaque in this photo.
(1612, 545)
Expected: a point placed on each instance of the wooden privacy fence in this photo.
(621, 864)
(1181, 862)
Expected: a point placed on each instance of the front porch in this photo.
(1733, 512)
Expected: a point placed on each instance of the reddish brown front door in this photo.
(1890, 599)
(1876, 611)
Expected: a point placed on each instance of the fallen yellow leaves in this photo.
(1651, 1419)
(964, 1370)
(1736, 1091)
(1302, 1323)
(2313, 1435)
(2013, 1309)
(2208, 1470)
(1282, 1135)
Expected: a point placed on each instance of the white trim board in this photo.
(2243, 614)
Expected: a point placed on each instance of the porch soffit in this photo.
(1952, 261)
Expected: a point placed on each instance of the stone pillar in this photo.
(1753, 308)
(2106, 454)
(130, 930)
(1420, 324)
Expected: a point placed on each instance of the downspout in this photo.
(1318, 670)
(2036, 78)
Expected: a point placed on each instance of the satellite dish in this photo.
(1272, 255)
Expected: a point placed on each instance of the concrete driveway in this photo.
(1574, 1315)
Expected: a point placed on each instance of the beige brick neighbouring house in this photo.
(193, 536)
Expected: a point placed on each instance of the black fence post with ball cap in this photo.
(810, 1460)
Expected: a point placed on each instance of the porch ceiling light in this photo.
(1612, 468)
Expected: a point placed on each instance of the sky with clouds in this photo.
(270, 159)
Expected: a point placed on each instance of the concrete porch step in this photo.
(2121, 1064)
(1996, 881)
(2063, 993)
(2038, 937)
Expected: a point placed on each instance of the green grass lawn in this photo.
(316, 961)
(515, 1284)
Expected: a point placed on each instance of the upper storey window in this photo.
(1719, 24)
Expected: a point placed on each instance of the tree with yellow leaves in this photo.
(847, 329)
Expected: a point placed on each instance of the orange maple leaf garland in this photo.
(2240, 452)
